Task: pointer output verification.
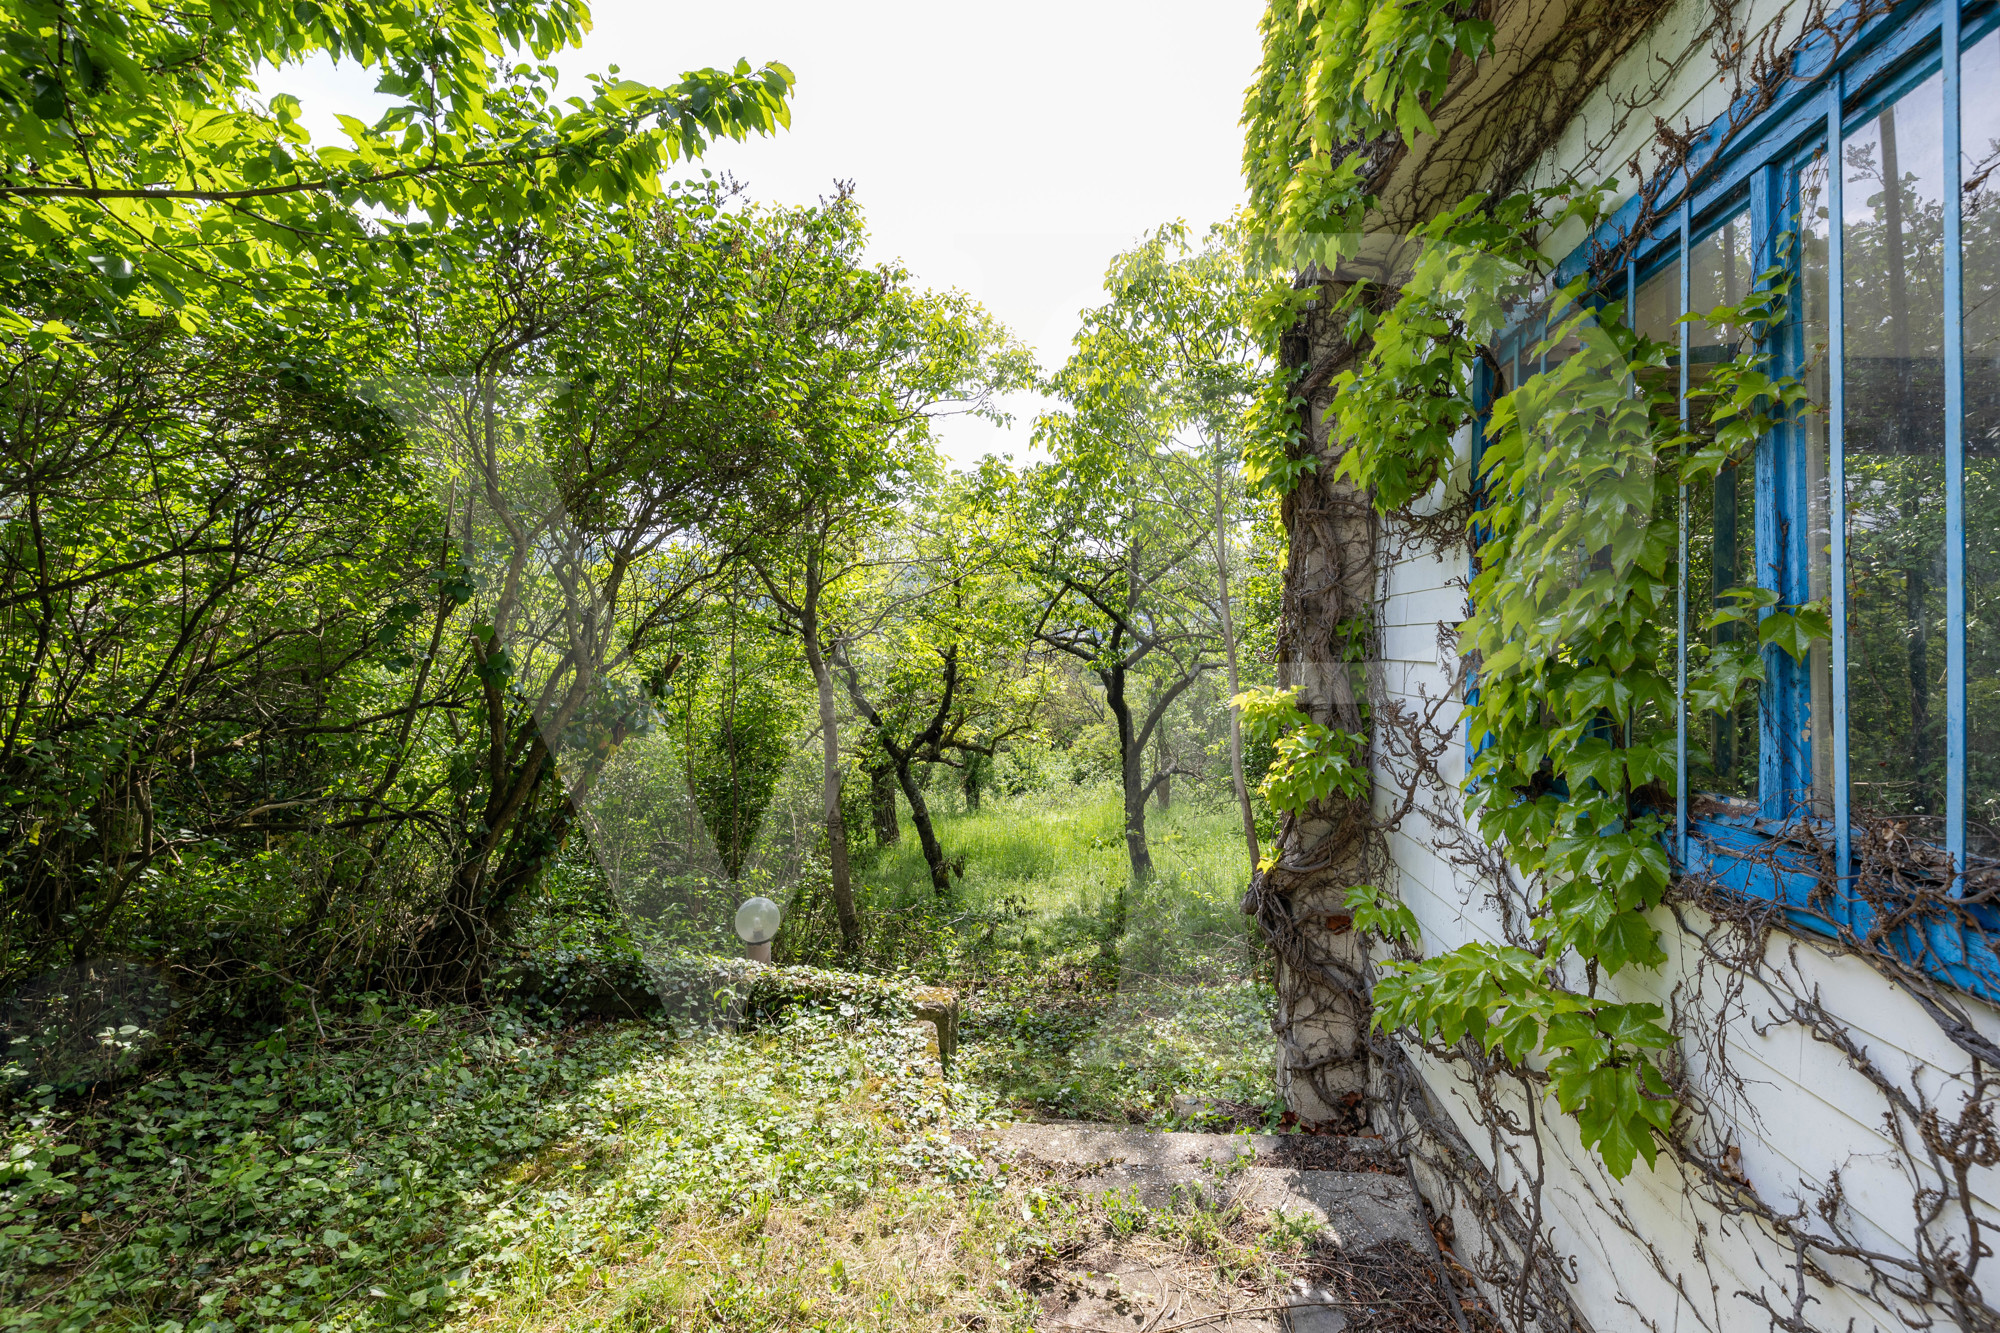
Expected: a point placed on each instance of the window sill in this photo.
(1915, 922)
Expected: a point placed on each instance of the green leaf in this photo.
(1387, 917)
(1796, 631)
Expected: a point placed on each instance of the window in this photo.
(1878, 183)
(1722, 516)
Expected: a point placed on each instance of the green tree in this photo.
(235, 614)
(195, 554)
(933, 663)
(1135, 523)
(611, 405)
(892, 359)
(738, 725)
(1181, 312)
(144, 171)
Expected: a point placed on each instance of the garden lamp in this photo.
(757, 925)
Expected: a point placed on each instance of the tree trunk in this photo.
(1321, 1023)
(1163, 769)
(920, 816)
(1235, 688)
(829, 727)
(1132, 777)
(452, 951)
(882, 804)
(905, 757)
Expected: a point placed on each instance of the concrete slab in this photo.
(1108, 1289)
(1089, 1145)
(1355, 1209)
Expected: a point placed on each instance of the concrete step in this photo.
(1115, 1286)
(1356, 1209)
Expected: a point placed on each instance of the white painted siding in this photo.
(1651, 1253)
(1672, 62)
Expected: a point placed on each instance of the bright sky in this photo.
(1006, 150)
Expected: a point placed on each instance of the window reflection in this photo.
(1722, 554)
(1811, 226)
(1657, 304)
(1655, 312)
(1893, 377)
(1893, 304)
(1979, 121)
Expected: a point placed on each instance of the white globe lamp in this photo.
(757, 925)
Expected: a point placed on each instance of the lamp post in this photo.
(757, 925)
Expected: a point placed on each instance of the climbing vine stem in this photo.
(1567, 665)
(1573, 632)
(1338, 76)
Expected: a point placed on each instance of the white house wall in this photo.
(1671, 74)
(1655, 1252)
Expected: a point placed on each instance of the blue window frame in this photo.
(1869, 176)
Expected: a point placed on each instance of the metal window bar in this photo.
(1795, 530)
(1836, 445)
(1954, 456)
(1776, 727)
(1681, 600)
(1485, 391)
(1873, 67)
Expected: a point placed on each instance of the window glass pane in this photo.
(1722, 547)
(1656, 309)
(1810, 224)
(1893, 293)
(1980, 186)
(1563, 348)
(1540, 356)
(1719, 273)
(1657, 303)
(1656, 312)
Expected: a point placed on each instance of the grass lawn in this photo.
(1066, 1023)
(1061, 855)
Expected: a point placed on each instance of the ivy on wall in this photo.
(1336, 77)
(1569, 665)
(1574, 624)
(1573, 633)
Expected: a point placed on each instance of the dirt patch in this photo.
(1137, 1284)
(1315, 1152)
(1393, 1288)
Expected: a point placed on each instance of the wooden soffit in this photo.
(1499, 116)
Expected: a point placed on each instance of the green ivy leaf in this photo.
(1796, 631)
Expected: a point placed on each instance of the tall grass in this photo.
(1042, 874)
(1068, 1015)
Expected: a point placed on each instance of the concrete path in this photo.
(1365, 1210)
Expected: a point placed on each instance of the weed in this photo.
(394, 1175)
(486, 1171)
